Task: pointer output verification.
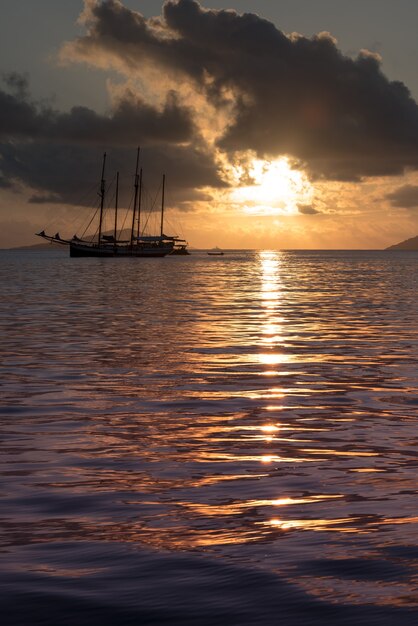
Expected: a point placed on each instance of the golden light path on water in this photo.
(259, 407)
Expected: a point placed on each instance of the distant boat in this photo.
(137, 245)
(215, 252)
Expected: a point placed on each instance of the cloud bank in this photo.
(39, 145)
(203, 87)
(340, 117)
(405, 197)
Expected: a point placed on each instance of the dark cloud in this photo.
(336, 116)
(18, 116)
(17, 83)
(58, 153)
(131, 121)
(45, 199)
(405, 197)
(69, 173)
(340, 117)
(307, 209)
(5, 184)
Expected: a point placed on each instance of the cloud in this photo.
(47, 150)
(405, 197)
(46, 199)
(66, 173)
(17, 84)
(4, 183)
(205, 88)
(307, 209)
(132, 121)
(340, 117)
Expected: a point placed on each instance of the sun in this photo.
(272, 188)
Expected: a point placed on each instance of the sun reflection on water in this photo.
(277, 406)
(271, 319)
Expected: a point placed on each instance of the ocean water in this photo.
(209, 440)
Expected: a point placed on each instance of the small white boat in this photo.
(215, 252)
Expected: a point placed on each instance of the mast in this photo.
(162, 206)
(139, 202)
(135, 197)
(102, 196)
(116, 207)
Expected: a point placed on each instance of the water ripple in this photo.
(260, 408)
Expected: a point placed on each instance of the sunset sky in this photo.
(289, 124)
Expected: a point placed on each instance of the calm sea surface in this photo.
(209, 440)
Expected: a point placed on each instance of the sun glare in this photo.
(275, 189)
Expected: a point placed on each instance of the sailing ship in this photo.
(138, 245)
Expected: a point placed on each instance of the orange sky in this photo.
(269, 139)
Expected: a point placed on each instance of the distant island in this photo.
(408, 244)
(36, 247)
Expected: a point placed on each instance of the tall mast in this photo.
(102, 196)
(162, 207)
(116, 207)
(135, 197)
(139, 202)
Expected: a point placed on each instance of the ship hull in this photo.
(84, 250)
